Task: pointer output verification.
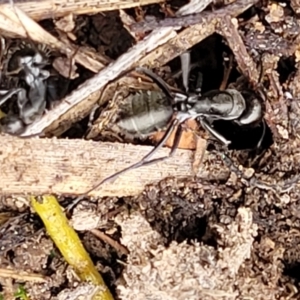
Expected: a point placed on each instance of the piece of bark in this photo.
(205, 26)
(46, 9)
(71, 167)
(295, 4)
(233, 9)
(245, 62)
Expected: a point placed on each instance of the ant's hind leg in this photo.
(5, 95)
(214, 133)
(143, 162)
(185, 59)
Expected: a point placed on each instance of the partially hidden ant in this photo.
(244, 108)
(32, 103)
(31, 100)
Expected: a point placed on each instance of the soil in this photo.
(264, 181)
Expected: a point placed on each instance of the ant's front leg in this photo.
(206, 124)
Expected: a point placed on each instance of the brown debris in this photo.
(107, 239)
(188, 139)
(295, 4)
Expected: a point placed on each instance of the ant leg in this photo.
(214, 133)
(5, 95)
(262, 135)
(159, 81)
(178, 134)
(185, 59)
(227, 72)
(142, 162)
(199, 82)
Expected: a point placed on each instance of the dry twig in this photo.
(21, 276)
(235, 42)
(196, 18)
(107, 239)
(46, 9)
(71, 167)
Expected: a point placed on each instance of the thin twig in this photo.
(22, 276)
(193, 19)
(236, 44)
(46, 9)
(104, 237)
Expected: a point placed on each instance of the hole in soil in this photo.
(292, 270)
(286, 66)
(194, 229)
(244, 137)
(207, 60)
(105, 32)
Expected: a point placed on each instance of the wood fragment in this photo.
(46, 9)
(236, 44)
(199, 154)
(194, 6)
(22, 275)
(295, 4)
(127, 21)
(233, 9)
(71, 167)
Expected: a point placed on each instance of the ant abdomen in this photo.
(145, 112)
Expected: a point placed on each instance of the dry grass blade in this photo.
(21, 276)
(46, 9)
(236, 44)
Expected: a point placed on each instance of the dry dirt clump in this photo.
(190, 271)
